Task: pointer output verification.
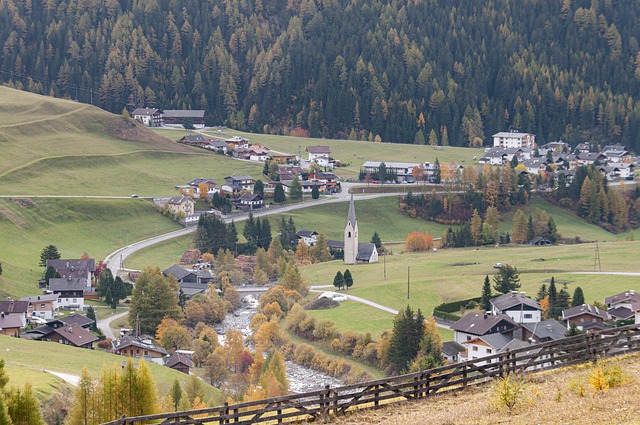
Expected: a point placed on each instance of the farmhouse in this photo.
(251, 200)
(150, 117)
(514, 139)
(179, 362)
(11, 324)
(309, 237)
(83, 269)
(132, 346)
(238, 183)
(490, 344)
(547, 330)
(237, 142)
(63, 333)
(70, 292)
(178, 116)
(43, 306)
(475, 324)
(584, 315)
(15, 308)
(624, 306)
(318, 152)
(181, 274)
(519, 308)
(195, 140)
(181, 203)
(284, 158)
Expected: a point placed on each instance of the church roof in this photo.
(365, 251)
(351, 217)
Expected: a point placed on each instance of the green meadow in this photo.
(75, 226)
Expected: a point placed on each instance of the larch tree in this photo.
(476, 226)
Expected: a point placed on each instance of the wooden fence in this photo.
(328, 402)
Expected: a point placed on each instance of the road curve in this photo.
(105, 325)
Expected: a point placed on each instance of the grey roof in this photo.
(351, 216)
(318, 149)
(145, 111)
(178, 272)
(496, 340)
(303, 233)
(218, 144)
(61, 284)
(621, 313)
(193, 138)
(74, 268)
(76, 334)
(197, 181)
(183, 113)
(335, 244)
(239, 177)
(176, 358)
(249, 197)
(365, 251)
(41, 298)
(480, 324)
(76, 319)
(452, 348)
(584, 309)
(510, 134)
(630, 296)
(508, 301)
(17, 307)
(190, 289)
(8, 321)
(546, 330)
(178, 200)
(127, 341)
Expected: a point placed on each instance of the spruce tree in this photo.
(375, 239)
(338, 280)
(278, 194)
(436, 172)
(553, 299)
(295, 190)
(258, 188)
(176, 393)
(578, 297)
(507, 279)
(542, 293)
(348, 279)
(315, 192)
(408, 329)
(50, 252)
(485, 301)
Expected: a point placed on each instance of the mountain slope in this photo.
(409, 71)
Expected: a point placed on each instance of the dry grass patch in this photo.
(554, 401)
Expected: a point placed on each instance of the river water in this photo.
(301, 379)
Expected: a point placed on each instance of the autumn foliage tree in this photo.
(417, 241)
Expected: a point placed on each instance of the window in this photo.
(468, 338)
(146, 353)
(42, 306)
(74, 301)
(349, 235)
(582, 320)
(489, 351)
(528, 316)
(475, 348)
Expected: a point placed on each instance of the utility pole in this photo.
(597, 267)
(408, 282)
(384, 262)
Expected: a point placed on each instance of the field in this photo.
(75, 226)
(454, 274)
(59, 147)
(25, 362)
(356, 153)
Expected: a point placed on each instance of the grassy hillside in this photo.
(25, 363)
(59, 147)
(455, 274)
(75, 226)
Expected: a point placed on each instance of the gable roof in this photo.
(495, 340)
(451, 348)
(177, 358)
(76, 319)
(9, 321)
(510, 300)
(630, 296)
(145, 111)
(198, 181)
(195, 138)
(146, 344)
(621, 313)
(365, 251)
(76, 334)
(14, 307)
(69, 284)
(41, 298)
(248, 197)
(480, 324)
(584, 309)
(318, 149)
(74, 268)
(179, 200)
(183, 113)
(303, 233)
(546, 330)
(239, 177)
(178, 272)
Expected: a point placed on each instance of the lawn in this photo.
(354, 153)
(75, 226)
(25, 362)
(454, 274)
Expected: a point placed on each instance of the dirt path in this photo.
(105, 325)
(67, 377)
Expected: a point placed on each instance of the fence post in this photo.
(335, 402)
(223, 414)
(279, 404)
(464, 375)
(324, 403)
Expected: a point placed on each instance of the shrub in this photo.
(510, 393)
(605, 374)
(105, 344)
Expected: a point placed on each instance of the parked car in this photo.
(334, 296)
(37, 320)
(497, 266)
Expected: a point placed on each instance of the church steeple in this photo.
(351, 235)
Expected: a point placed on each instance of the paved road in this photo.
(105, 325)
(67, 377)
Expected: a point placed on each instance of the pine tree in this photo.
(564, 301)
(553, 299)
(436, 172)
(485, 299)
(348, 279)
(542, 293)
(315, 192)
(258, 188)
(578, 297)
(50, 252)
(338, 280)
(375, 239)
(408, 328)
(507, 279)
(278, 194)
(295, 190)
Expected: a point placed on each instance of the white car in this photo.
(334, 296)
(37, 320)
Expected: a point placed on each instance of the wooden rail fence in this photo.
(328, 402)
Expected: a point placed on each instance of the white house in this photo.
(403, 170)
(519, 308)
(309, 237)
(44, 306)
(514, 139)
(70, 292)
(316, 152)
(474, 325)
(150, 117)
